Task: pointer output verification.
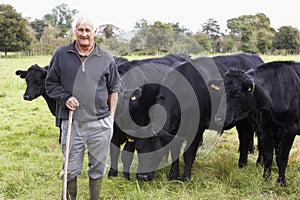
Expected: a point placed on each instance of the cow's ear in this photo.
(21, 73)
(215, 84)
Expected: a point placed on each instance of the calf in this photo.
(269, 95)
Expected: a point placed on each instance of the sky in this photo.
(190, 14)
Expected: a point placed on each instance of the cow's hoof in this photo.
(282, 182)
(242, 165)
(112, 173)
(126, 175)
(259, 162)
(186, 178)
(144, 177)
(173, 176)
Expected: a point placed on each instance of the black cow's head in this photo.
(238, 99)
(35, 79)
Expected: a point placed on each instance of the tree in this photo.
(264, 41)
(185, 44)
(159, 36)
(287, 38)
(154, 37)
(38, 26)
(109, 30)
(14, 34)
(203, 40)
(212, 29)
(61, 17)
(246, 29)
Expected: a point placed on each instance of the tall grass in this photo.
(31, 159)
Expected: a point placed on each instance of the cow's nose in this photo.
(27, 97)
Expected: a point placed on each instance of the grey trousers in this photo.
(93, 135)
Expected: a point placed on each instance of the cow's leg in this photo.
(115, 144)
(282, 156)
(127, 157)
(259, 160)
(246, 134)
(175, 149)
(190, 154)
(268, 143)
(251, 144)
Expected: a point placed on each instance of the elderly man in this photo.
(83, 78)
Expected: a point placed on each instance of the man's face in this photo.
(85, 34)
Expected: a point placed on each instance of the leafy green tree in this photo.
(49, 41)
(228, 43)
(247, 39)
(154, 37)
(212, 29)
(264, 41)
(62, 17)
(14, 35)
(203, 40)
(245, 30)
(159, 36)
(38, 26)
(185, 44)
(287, 38)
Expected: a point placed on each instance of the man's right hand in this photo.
(72, 103)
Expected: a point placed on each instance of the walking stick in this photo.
(66, 159)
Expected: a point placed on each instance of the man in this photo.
(83, 77)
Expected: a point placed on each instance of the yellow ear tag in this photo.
(249, 89)
(130, 139)
(133, 98)
(215, 87)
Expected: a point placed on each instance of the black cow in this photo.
(167, 99)
(35, 79)
(130, 81)
(270, 96)
(243, 61)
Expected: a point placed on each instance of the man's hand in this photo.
(72, 103)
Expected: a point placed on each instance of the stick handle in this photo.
(66, 159)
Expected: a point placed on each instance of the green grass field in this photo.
(31, 159)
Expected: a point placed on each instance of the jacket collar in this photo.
(72, 49)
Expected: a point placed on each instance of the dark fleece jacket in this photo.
(90, 81)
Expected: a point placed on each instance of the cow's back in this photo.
(280, 82)
(242, 61)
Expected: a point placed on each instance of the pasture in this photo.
(31, 158)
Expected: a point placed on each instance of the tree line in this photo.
(247, 33)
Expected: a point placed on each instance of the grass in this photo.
(31, 159)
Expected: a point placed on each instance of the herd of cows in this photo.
(167, 102)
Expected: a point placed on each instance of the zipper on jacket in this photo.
(83, 65)
(83, 60)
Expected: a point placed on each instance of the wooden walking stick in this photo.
(66, 159)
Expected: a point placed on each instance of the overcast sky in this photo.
(190, 14)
